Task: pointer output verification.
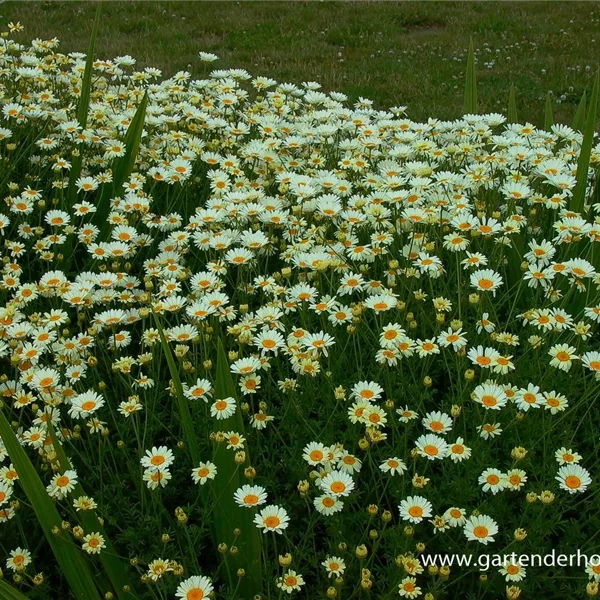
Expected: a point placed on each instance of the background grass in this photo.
(395, 53)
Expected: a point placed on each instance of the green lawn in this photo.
(408, 53)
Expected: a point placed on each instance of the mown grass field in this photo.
(395, 53)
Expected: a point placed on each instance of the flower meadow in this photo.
(260, 342)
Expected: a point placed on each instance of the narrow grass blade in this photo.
(83, 106)
(70, 558)
(512, 105)
(579, 118)
(227, 514)
(583, 164)
(8, 592)
(114, 567)
(184, 410)
(471, 82)
(122, 166)
(548, 117)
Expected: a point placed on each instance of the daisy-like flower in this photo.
(455, 517)
(390, 335)
(235, 441)
(334, 566)
(5, 492)
(84, 503)
(437, 422)
(513, 571)
(484, 324)
(515, 479)
(200, 391)
(412, 565)
(563, 356)
(591, 361)
(529, 397)
(489, 430)
(483, 357)
(318, 341)
(203, 472)
(427, 347)
(415, 509)
(195, 587)
(269, 340)
(245, 366)
(480, 529)
(328, 504)
(408, 588)
(593, 570)
(393, 466)
(62, 484)
(458, 451)
(374, 416)
(555, 402)
(272, 518)
(566, 456)
(492, 480)
(223, 408)
(432, 447)
(406, 414)
(349, 463)
(490, 395)
(453, 338)
(19, 560)
(290, 582)
(93, 543)
(366, 390)
(160, 458)
(381, 302)
(573, 478)
(337, 483)
(157, 568)
(86, 404)
(315, 454)
(486, 280)
(250, 496)
(156, 478)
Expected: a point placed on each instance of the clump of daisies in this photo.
(408, 314)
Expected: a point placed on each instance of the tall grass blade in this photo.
(548, 117)
(184, 410)
(227, 514)
(70, 558)
(8, 592)
(512, 105)
(122, 166)
(83, 107)
(583, 164)
(579, 118)
(471, 82)
(114, 567)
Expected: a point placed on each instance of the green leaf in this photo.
(471, 82)
(83, 107)
(122, 166)
(71, 560)
(227, 514)
(548, 118)
(579, 118)
(512, 105)
(8, 592)
(583, 164)
(113, 565)
(182, 403)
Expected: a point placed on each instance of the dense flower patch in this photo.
(257, 341)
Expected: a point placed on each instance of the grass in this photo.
(395, 53)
